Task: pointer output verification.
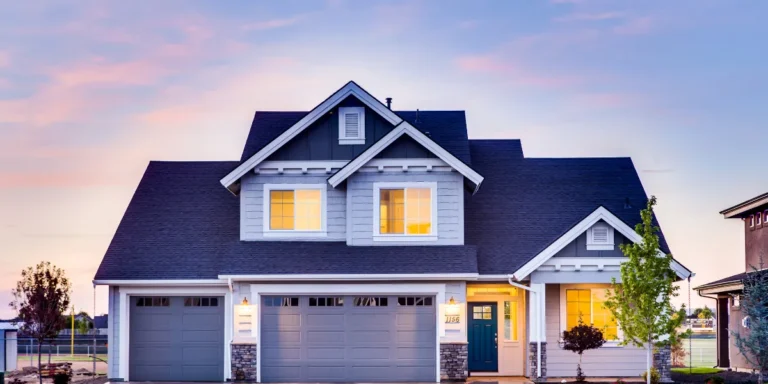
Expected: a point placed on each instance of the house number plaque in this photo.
(451, 319)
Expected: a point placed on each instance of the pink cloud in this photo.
(5, 59)
(514, 73)
(599, 16)
(636, 26)
(606, 99)
(271, 24)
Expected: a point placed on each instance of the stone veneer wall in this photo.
(533, 361)
(244, 357)
(453, 361)
(662, 361)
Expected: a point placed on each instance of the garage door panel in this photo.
(415, 337)
(152, 355)
(201, 354)
(193, 322)
(272, 355)
(325, 321)
(154, 322)
(150, 337)
(368, 337)
(270, 337)
(327, 373)
(415, 321)
(325, 353)
(369, 353)
(415, 353)
(325, 337)
(281, 373)
(152, 372)
(200, 372)
(275, 320)
(361, 321)
(200, 336)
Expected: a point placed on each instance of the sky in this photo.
(90, 91)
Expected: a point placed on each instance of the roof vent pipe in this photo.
(417, 116)
(389, 103)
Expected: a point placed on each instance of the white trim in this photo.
(582, 264)
(322, 232)
(377, 187)
(301, 167)
(349, 89)
(167, 282)
(350, 289)
(360, 138)
(599, 214)
(125, 319)
(563, 313)
(389, 138)
(357, 277)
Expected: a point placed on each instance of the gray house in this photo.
(358, 243)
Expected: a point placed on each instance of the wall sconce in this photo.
(452, 308)
(245, 301)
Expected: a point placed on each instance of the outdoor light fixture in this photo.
(452, 310)
(451, 301)
(245, 301)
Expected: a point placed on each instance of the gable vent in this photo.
(600, 237)
(351, 125)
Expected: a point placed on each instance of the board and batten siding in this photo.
(113, 333)
(450, 206)
(252, 207)
(578, 247)
(625, 361)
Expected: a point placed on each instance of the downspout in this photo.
(538, 323)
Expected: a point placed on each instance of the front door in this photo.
(483, 337)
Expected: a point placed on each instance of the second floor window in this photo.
(293, 209)
(405, 211)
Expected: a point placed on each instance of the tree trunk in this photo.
(40, 360)
(648, 362)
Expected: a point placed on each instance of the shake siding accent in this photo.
(113, 339)
(607, 361)
(450, 206)
(252, 207)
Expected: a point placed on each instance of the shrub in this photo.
(582, 338)
(715, 380)
(62, 378)
(655, 376)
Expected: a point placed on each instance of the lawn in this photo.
(696, 370)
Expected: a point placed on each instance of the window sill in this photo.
(404, 238)
(352, 141)
(295, 234)
(612, 344)
(596, 247)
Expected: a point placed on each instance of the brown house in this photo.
(754, 216)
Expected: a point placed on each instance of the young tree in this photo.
(706, 313)
(753, 344)
(582, 338)
(40, 298)
(641, 303)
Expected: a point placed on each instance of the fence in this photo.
(89, 354)
(702, 352)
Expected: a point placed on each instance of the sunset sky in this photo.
(90, 91)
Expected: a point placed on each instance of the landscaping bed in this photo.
(701, 375)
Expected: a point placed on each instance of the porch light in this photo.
(452, 308)
(451, 301)
(245, 301)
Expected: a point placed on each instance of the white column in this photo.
(537, 328)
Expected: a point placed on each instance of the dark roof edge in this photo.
(742, 207)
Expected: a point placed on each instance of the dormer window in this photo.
(351, 125)
(600, 237)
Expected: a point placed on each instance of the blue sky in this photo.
(90, 91)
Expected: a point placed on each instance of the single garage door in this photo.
(176, 339)
(348, 338)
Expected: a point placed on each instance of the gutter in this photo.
(538, 323)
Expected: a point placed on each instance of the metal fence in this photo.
(89, 354)
(702, 352)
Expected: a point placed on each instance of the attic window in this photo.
(351, 125)
(600, 237)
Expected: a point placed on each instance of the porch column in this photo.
(537, 332)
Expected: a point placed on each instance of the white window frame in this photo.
(759, 219)
(592, 245)
(564, 313)
(378, 236)
(751, 221)
(291, 233)
(360, 139)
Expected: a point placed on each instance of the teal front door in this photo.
(483, 337)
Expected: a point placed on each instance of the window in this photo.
(588, 305)
(765, 216)
(201, 302)
(351, 125)
(758, 219)
(370, 301)
(482, 312)
(510, 320)
(405, 211)
(414, 301)
(736, 301)
(294, 210)
(751, 221)
(326, 301)
(600, 237)
(279, 301)
(153, 302)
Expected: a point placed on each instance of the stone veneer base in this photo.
(244, 358)
(662, 361)
(533, 361)
(454, 361)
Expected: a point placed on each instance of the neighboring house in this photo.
(101, 324)
(753, 213)
(8, 346)
(356, 243)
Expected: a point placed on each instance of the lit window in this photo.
(588, 305)
(510, 321)
(295, 209)
(482, 312)
(405, 211)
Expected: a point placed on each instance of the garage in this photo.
(348, 338)
(176, 338)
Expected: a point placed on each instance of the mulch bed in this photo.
(730, 377)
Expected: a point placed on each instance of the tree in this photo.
(582, 338)
(677, 349)
(705, 313)
(40, 298)
(82, 326)
(753, 345)
(641, 303)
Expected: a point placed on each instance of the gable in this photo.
(320, 140)
(405, 148)
(578, 247)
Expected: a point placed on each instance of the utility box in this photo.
(8, 347)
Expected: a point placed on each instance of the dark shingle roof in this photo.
(525, 204)
(182, 224)
(446, 128)
(730, 279)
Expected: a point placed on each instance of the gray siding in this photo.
(252, 206)
(607, 361)
(578, 247)
(569, 277)
(450, 206)
(320, 141)
(405, 148)
(113, 338)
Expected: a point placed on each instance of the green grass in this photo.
(63, 358)
(696, 370)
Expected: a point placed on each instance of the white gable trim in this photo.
(405, 128)
(599, 214)
(350, 88)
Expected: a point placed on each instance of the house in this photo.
(101, 324)
(8, 346)
(356, 243)
(727, 291)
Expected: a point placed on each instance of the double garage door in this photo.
(176, 338)
(348, 338)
